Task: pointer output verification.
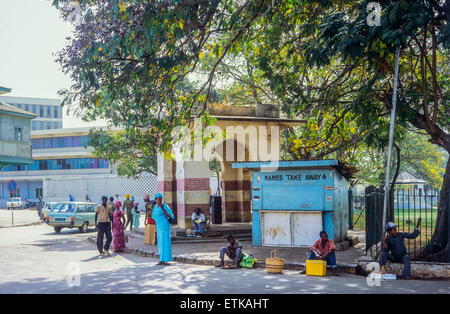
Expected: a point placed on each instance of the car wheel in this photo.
(57, 229)
(84, 227)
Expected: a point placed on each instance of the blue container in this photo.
(292, 201)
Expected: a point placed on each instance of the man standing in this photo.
(39, 206)
(70, 198)
(103, 214)
(198, 220)
(324, 249)
(394, 242)
(127, 207)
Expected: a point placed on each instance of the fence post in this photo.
(350, 209)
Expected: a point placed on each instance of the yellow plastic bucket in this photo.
(316, 267)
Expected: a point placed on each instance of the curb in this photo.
(24, 225)
(342, 268)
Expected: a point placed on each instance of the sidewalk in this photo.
(22, 217)
(207, 253)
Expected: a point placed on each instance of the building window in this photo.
(18, 134)
(33, 125)
(19, 106)
(39, 192)
(49, 111)
(55, 125)
(33, 108)
(41, 125)
(41, 111)
(49, 125)
(55, 112)
(27, 107)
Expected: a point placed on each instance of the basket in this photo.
(274, 264)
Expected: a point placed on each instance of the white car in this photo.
(14, 202)
(46, 209)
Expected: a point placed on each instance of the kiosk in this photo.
(292, 201)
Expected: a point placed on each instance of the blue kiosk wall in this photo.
(292, 201)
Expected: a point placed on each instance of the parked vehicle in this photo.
(14, 202)
(30, 203)
(46, 209)
(79, 215)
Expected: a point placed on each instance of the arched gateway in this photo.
(250, 134)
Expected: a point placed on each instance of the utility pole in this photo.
(391, 139)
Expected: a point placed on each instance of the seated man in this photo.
(233, 250)
(394, 242)
(198, 220)
(324, 249)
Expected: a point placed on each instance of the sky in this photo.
(31, 33)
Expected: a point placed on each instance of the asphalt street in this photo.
(34, 259)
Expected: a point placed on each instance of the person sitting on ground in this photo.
(324, 249)
(198, 220)
(394, 242)
(233, 250)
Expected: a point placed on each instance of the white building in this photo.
(64, 165)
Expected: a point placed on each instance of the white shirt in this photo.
(195, 217)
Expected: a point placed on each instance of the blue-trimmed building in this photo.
(15, 142)
(63, 164)
(47, 111)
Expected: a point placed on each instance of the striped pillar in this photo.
(167, 182)
(236, 197)
(192, 186)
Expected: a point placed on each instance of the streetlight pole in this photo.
(391, 139)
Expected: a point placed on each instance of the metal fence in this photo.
(409, 205)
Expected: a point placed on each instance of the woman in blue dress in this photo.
(160, 214)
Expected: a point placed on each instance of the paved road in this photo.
(34, 259)
(21, 216)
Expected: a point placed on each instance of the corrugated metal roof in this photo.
(346, 171)
(408, 178)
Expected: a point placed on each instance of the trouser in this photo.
(103, 228)
(331, 259)
(405, 260)
(129, 221)
(224, 251)
(39, 212)
(199, 228)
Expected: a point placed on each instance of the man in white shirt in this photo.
(198, 220)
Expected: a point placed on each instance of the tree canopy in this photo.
(149, 66)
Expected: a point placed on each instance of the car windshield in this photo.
(63, 208)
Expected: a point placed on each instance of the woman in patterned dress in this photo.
(118, 228)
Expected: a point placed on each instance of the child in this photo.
(136, 215)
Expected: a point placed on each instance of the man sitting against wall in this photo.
(199, 222)
(324, 249)
(395, 243)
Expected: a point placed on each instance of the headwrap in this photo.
(146, 196)
(127, 195)
(158, 195)
(118, 203)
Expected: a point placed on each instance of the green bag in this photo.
(247, 261)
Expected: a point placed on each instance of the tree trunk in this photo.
(441, 232)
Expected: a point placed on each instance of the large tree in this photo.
(337, 34)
